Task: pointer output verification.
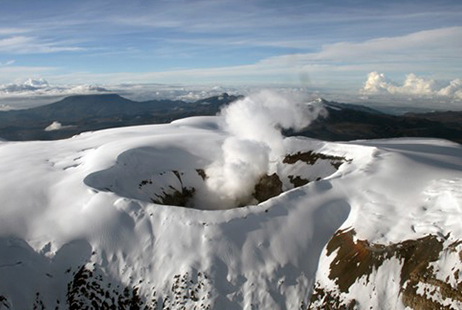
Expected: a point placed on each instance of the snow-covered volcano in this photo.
(89, 222)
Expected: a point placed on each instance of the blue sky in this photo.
(319, 44)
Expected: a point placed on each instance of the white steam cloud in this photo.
(413, 85)
(254, 142)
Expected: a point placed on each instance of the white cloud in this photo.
(454, 89)
(426, 51)
(5, 107)
(24, 93)
(432, 50)
(11, 31)
(32, 45)
(413, 85)
(7, 63)
(338, 66)
(40, 87)
(436, 50)
(419, 86)
(375, 83)
(442, 41)
(10, 72)
(28, 85)
(56, 126)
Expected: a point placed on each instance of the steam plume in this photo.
(255, 140)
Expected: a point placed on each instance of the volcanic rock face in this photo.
(310, 158)
(356, 263)
(268, 186)
(90, 289)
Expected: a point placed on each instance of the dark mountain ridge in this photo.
(346, 122)
(83, 106)
(93, 112)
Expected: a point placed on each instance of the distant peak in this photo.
(320, 100)
(95, 98)
(106, 95)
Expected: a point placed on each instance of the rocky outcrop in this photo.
(298, 181)
(268, 186)
(175, 198)
(311, 158)
(421, 284)
(91, 289)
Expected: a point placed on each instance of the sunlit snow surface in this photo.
(52, 220)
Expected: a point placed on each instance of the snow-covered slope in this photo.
(81, 224)
(401, 243)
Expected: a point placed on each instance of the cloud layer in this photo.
(307, 43)
(413, 86)
(40, 87)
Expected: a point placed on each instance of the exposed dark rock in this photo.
(175, 198)
(311, 157)
(268, 186)
(86, 291)
(178, 175)
(201, 173)
(355, 259)
(4, 303)
(144, 182)
(297, 181)
(38, 303)
(188, 290)
(329, 301)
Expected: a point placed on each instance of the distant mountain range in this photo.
(82, 113)
(351, 122)
(77, 114)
